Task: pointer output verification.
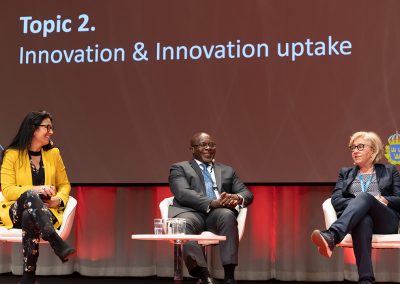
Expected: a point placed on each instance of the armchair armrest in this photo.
(329, 213)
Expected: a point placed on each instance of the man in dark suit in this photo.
(207, 195)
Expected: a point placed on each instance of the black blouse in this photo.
(38, 176)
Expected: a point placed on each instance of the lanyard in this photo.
(365, 186)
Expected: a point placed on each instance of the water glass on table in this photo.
(158, 226)
(176, 226)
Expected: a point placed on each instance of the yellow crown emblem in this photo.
(393, 149)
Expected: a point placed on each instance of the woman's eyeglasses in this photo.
(47, 126)
(359, 147)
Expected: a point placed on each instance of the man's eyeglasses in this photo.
(210, 145)
(359, 147)
(47, 126)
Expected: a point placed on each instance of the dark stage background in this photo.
(280, 84)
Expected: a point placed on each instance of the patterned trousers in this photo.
(30, 214)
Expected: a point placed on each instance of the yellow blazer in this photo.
(16, 178)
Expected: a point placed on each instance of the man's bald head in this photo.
(202, 147)
(197, 137)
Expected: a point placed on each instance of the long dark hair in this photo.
(22, 141)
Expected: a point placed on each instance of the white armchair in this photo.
(164, 205)
(15, 235)
(378, 241)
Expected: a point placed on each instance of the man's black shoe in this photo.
(366, 281)
(229, 281)
(325, 241)
(208, 280)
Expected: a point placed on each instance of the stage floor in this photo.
(13, 279)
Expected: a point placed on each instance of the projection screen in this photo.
(280, 85)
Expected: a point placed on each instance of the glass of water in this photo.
(176, 226)
(158, 226)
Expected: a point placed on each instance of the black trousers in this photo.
(220, 221)
(365, 216)
(34, 218)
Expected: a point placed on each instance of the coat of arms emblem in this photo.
(393, 149)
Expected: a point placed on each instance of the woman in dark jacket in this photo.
(367, 201)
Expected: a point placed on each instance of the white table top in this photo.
(153, 237)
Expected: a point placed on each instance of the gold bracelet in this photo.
(59, 201)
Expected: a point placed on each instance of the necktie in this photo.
(208, 181)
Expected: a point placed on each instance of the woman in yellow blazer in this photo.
(35, 186)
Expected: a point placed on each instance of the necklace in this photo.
(34, 169)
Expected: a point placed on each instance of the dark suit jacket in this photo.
(388, 182)
(187, 184)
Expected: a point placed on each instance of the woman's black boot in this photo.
(61, 248)
(28, 278)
